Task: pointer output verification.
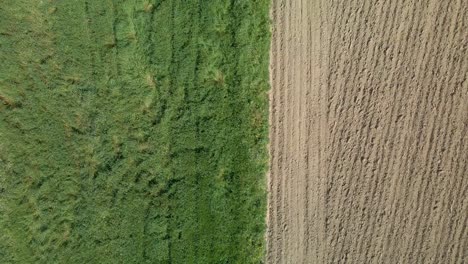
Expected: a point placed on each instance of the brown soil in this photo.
(369, 132)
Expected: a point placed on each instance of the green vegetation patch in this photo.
(133, 131)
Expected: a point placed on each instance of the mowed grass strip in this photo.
(133, 131)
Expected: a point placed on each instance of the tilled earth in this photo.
(369, 125)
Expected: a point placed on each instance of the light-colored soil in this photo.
(369, 132)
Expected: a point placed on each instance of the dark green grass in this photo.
(133, 131)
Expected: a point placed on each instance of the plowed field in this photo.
(369, 125)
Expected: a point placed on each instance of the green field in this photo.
(133, 131)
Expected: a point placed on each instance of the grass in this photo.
(133, 131)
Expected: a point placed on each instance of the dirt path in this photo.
(369, 125)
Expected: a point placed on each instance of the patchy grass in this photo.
(133, 131)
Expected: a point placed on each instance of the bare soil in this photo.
(369, 132)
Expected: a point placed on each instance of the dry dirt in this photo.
(369, 131)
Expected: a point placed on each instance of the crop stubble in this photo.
(369, 120)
